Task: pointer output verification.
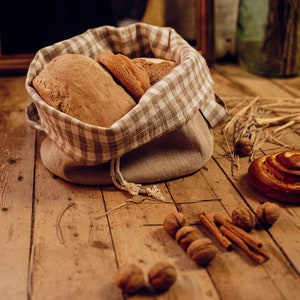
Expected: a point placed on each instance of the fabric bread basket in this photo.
(168, 134)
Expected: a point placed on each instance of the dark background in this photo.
(28, 25)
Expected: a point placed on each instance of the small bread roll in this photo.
(131, 76)
(155, 67)
(78, 86)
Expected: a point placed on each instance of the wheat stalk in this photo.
(258, 122)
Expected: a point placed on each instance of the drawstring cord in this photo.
(130, 187)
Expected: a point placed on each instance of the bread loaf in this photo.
(78, 86)
(277, 176)
(155, 67)
(131, 76)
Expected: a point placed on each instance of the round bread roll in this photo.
(131, 76)
(156, 68)
(277, 176)
(78, 86)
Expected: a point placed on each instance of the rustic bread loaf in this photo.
(131, 76)
(78, 86)
(277, 176)
(155, 67)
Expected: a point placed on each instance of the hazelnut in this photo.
(162, 276)
(243, 146)
(267, 213)
(202, 251)
(243, 218)
(130, 278)
(173, 222)
(187, 234)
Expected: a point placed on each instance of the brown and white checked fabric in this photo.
(166, 106)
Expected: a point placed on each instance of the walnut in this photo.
(130, 278)
(268, 213)
(243, 146)
(187, 234)
(202, 251)
(162, 276)
(243, 218)
(173, 222)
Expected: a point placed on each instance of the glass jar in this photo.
(267, 37)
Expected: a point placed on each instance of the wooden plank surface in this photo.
(136, 241)
(64, 241)
(16, 181)
(78, 263)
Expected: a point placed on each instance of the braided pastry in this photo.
(277, 176)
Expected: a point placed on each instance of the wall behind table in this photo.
(180, 14)
(28, 25)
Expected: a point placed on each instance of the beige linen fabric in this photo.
(174, 155)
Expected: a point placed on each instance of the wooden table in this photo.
(35, 264)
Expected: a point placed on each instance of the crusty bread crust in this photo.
(155, 67)
(277, 176)
(131, 76)
(78, 86)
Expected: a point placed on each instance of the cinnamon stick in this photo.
(241, 244)
(214, 230)
(246, 237)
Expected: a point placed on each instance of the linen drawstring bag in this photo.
(167, 135)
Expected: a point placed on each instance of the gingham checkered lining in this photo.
(166, 106)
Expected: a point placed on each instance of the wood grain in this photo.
(16, 182)
(97, 238)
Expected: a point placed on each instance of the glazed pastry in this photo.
(277, 176)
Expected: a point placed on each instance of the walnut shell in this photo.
(243, 146)
(130, 278)
(243, 218)
(187, 234)
(162, 275)
(268, 213)
(173, 222)
(202, 251)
